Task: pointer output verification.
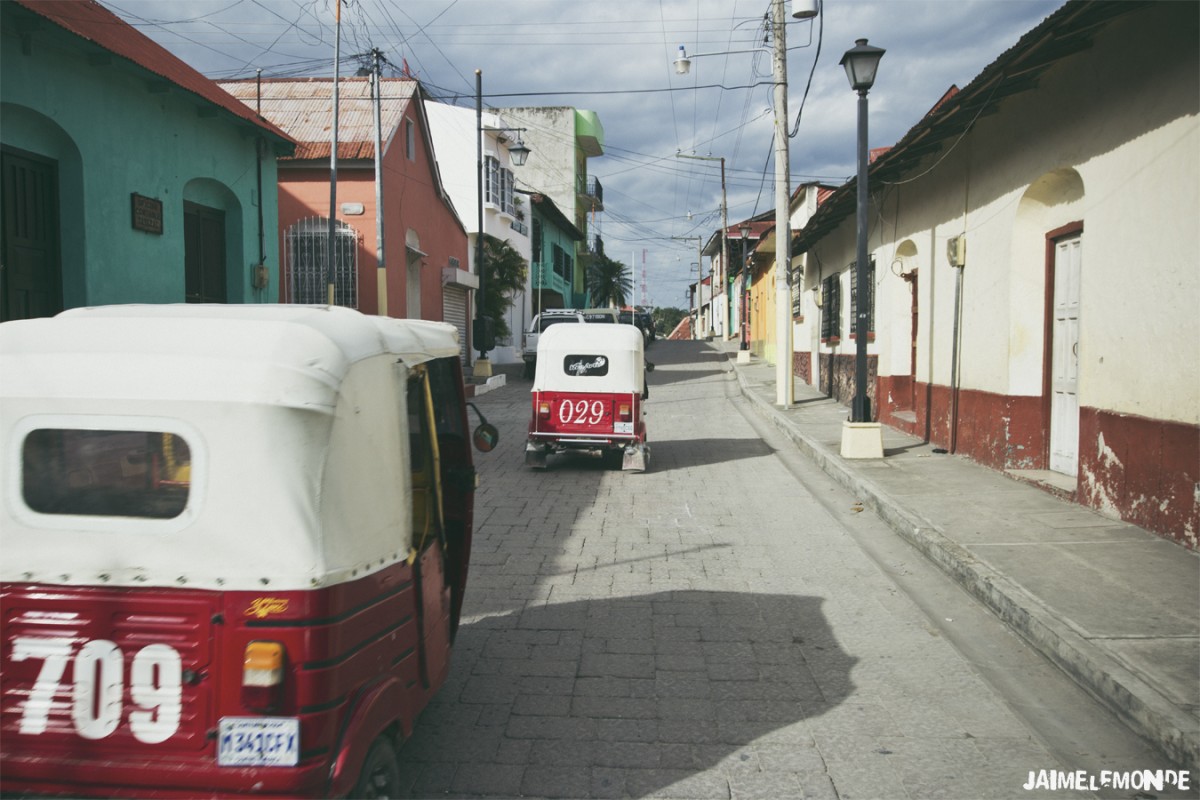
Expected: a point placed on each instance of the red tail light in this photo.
(625, 412)
(263, 676)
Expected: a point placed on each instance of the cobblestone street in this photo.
(708, 629)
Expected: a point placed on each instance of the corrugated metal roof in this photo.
(304, 108)
(91, 21)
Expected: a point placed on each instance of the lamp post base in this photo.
(743, 357)
(482, 368)
(862, 440)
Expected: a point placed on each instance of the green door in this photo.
(30, 275)
(204, 254)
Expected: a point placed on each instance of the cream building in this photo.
(1035, 285)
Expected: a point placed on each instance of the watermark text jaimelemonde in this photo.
(1138, 780)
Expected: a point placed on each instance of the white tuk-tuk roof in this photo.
(296, 421)
(565, 354)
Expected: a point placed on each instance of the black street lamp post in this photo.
(861, 62)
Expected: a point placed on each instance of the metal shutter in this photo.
(454, 311)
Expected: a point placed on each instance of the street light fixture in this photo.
(482, 336)
(517, 153)
(717, 278)
(860, 437)
(861, 63)
(801, 9)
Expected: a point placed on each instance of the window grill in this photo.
(564, 265)
(306, 260)
(831, 308)
(499, 186)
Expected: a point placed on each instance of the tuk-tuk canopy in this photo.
(587, 357)
(284, 427)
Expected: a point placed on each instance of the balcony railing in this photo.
(595, 245)
(591, 191)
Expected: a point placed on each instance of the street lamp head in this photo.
(744, 229)
(683, 64)
(860, 63)
(804, 9)
(518, 153)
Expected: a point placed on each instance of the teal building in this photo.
(128, 177)
(555, 277)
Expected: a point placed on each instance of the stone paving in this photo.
(660, 635)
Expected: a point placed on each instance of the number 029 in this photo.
(98, 688)
(581, 412)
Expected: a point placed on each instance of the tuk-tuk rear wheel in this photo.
(380, 777)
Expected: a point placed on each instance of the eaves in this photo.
(1064, 33)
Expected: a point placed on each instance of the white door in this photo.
(1064, 402)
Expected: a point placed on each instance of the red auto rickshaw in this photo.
(235, 544)
(589, 392)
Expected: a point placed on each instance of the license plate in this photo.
(622, 427)
(258, 742)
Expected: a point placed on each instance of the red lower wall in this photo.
(1144, 471)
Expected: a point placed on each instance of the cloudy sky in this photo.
(614, 57)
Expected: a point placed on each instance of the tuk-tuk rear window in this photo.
(585, 366)
(115, 473)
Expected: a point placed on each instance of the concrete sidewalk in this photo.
(1113, 605)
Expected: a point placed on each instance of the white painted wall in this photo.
(1110, 137)
(454, 130)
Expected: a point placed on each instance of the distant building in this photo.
(425, 245)
(552, 268)
(562, 140)
(455, 131)
(128, 177)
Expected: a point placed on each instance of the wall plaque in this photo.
(147, 214)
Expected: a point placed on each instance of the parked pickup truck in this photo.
(553, 316)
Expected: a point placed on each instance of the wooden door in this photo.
(204, 254)
(30, 274)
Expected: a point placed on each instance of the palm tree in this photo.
(506, 271)
(608, 281)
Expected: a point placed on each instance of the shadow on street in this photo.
(621, 697)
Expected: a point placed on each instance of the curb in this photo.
(494, 382)
(1143, 708)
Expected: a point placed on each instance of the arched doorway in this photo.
(1048, 249)
(212, 242)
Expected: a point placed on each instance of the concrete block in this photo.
(862, 440)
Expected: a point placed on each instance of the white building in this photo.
(455, 134)
(1035, 286)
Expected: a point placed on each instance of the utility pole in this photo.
(784, 391)
(330, 249)
(479, 336)
(719, 276)
(380, 259)
(698, 295)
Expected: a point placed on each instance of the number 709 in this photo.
(98, 690)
